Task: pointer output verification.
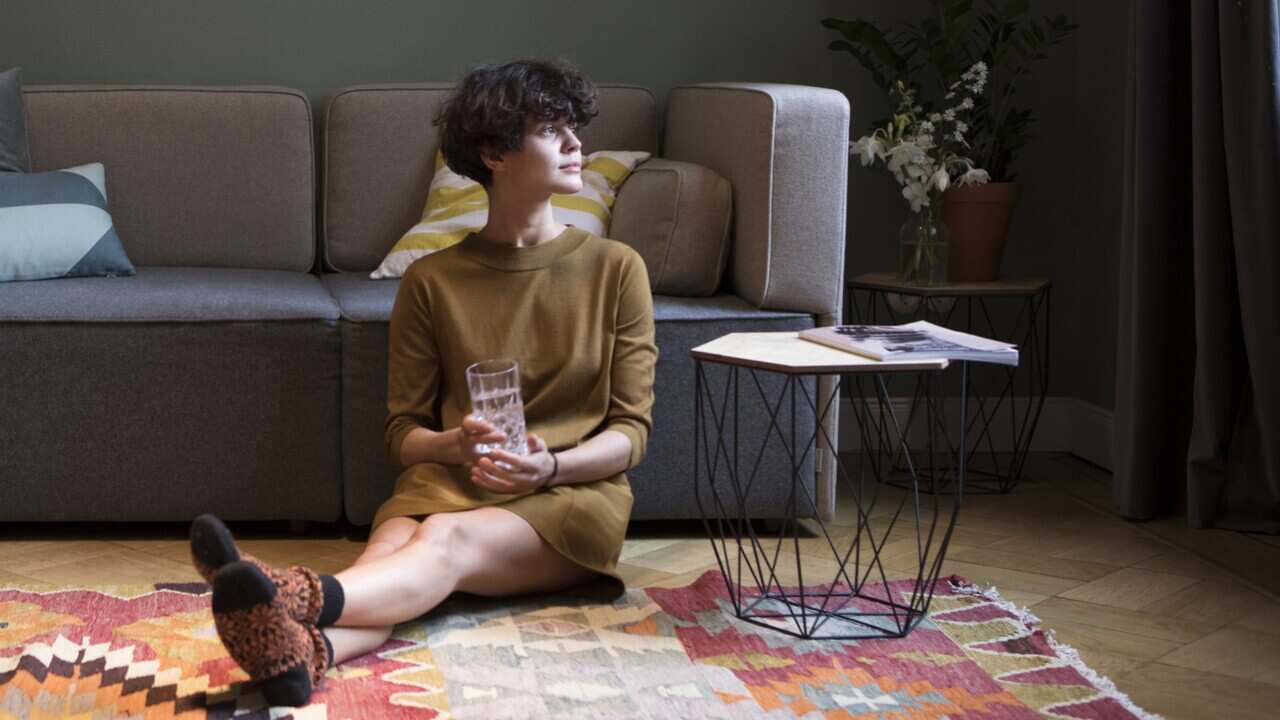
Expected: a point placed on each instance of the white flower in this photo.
(917, 194)
(940, 180)
(926, 127)
(966, 104)
(900, 155)
(935, 117)
(867, 148)
(961, 127)
(949, 115)
(974, 176)
(949, 95)
(975, 77)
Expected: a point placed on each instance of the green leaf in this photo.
(957, 9)
(878, 74)
(858, 31)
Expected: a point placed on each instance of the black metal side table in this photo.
(1004, 402)
(868, 575)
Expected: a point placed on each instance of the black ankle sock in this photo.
(334, 599)
(328, 646)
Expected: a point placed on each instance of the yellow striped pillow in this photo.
(457, 205)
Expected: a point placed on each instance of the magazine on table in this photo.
(921, 340)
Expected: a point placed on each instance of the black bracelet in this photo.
(555, 470)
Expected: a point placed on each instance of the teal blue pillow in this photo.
(56, 224)
(14, 156)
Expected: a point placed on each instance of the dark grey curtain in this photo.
(1198, 363)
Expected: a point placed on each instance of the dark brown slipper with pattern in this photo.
(273, 648)
(213, 547)
(322, 658)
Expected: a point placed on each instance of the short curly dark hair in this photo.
(487, 111)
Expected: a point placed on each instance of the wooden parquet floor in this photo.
(1186, 622)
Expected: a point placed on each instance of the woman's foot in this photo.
(213, 548)
(285, 656)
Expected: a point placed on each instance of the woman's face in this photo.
(550, 159)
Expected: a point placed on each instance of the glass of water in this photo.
(495, 398)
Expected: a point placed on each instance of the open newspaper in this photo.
(919, 340)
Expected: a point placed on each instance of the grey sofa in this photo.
(209, 381)
(242, 373)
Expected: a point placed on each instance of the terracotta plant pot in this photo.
(978, 217)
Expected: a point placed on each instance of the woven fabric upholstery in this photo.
(198, 176)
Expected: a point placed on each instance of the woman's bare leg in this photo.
(385, 540)
(486, 551)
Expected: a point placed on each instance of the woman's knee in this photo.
(375, 550)
(387, 538)
(442, 531)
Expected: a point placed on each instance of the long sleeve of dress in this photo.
(413, 366)
(635, 354)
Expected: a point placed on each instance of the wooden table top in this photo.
(785, 352)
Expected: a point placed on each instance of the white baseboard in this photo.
(1093, 434)
(1066, 424)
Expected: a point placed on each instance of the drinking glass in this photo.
(495, 398)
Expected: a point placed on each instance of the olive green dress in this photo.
(576, 313)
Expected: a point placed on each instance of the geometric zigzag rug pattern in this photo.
(151, 652)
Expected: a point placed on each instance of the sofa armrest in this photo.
(785, 151)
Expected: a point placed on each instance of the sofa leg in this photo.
(298, 527)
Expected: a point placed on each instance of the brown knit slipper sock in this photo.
(213, 547)
(273, 648)
(321, 659)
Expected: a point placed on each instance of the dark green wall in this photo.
(320, 45)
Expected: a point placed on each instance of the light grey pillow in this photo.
(14, 156)
(676, 215)
(56, 224)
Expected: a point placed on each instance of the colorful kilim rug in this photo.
(653, 653)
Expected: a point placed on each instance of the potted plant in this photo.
(924, 153)
(943, 46)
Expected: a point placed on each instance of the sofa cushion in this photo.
(457, 205)
(200, 176)
(378, 148)
(160, 294)
(361, 299)
(56, 225)
(676, 215)
(13, 124)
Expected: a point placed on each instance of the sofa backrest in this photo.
(379, 150)
(196, 176)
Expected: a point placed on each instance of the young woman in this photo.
(574, 311)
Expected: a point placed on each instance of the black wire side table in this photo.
(869, 574)
(1001, 422)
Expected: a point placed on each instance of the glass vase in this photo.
(924, 248)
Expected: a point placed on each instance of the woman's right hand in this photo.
(473, 432)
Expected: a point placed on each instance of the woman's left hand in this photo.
(521, 473)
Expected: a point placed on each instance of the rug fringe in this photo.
(1065, 652)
